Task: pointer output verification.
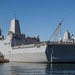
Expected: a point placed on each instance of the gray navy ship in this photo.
(18, 47)
(61, 50)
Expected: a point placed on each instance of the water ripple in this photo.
(14, 68)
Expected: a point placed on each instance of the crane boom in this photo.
(57, 30)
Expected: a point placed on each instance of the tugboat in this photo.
(2, 60)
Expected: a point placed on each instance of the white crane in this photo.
(56, 31)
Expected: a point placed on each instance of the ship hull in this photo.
(53, 53)
(27, 57)
(61, 53)
(29, 53)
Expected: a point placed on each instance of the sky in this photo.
(38, 17)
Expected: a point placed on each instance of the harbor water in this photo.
(15, 68)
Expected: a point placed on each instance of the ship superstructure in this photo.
(16, 37)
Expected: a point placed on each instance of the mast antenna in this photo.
(15, 16)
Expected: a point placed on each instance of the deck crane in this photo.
(56, 31)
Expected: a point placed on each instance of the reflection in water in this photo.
(60, 69)
(28, 69)
(36, 69)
